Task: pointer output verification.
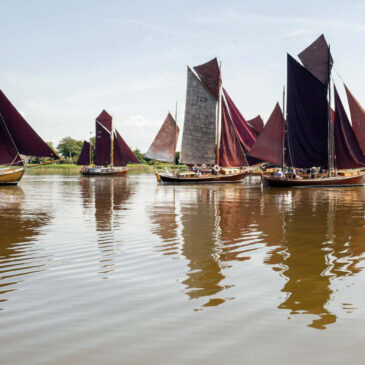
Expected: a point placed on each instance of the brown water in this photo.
(111, 271)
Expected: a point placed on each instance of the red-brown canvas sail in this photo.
(84, 158)
(246, 136)
(315, 59)
(230, 153)
(347, 150)
(122, 150)
(209, 74)
(163, 146)
(269, 144)
(357, 118)
(104, 124)
(256, 125)
(26, 140)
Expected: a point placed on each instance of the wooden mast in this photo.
(112, 145)
(330, 124)
(283, 148)
(218, 115)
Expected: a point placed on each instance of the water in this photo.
(121, 270)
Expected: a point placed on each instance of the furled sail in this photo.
(307, 122)
(256, 124)
(347, 150)
(122, 152)
(269, 144)
(84, 158)
(209, 74)
(198, 141)
(357, 118)
(230, 153)
(23, 136)
(246, 137)
(315, 59)
(163, 146)
(103, 139)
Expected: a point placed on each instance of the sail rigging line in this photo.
(12, 140)
(103, 126)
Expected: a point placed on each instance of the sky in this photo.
(64, 61)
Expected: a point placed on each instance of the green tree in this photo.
(70, 149)
(139, 156)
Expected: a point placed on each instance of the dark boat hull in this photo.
(352, 180)
(104, 172)
(204, 179)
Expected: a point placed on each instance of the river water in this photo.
(122, 270)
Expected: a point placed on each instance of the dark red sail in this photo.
(347, 150)
(26, 140)
(126, 154)
(231, 153)
(246, 136)
(84, 158)
(209, 74)
(357, 118)
(315, 59)
(269, 144)
(256, 125)
(8, 151)
(103, 139)
(307, 119)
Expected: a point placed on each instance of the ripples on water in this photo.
(100, 270)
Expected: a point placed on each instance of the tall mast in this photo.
(112, 145)
(219, 114)
(175, 133)
(330, 124)
(283, 148)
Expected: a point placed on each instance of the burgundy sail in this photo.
(357, 118)
(8, 151)
(26, 140)
(307, 122)
(103, 139)
(347, 150)
(315, 59)
(246, 137)
(269, 144)
(163, 146)
(230, 153)
(84, 158)
(126, 154)
(256, 125)
(209, 74)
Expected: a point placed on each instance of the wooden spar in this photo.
(112, 145)
(219, 114)
(283, 148)
(45, 163)
(330, 129)
(175, 133)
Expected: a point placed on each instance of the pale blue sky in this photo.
(64, 61)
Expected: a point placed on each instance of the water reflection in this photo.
(312, 237)
(19, 226)
(110, 195)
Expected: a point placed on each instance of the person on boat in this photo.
(166, 171)
(198, 173)
(313, 172)
(279, 173)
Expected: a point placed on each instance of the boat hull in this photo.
(11, 176)
(204, 179)
(352, 180)
(104, 171)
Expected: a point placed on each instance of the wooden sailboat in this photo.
(210, 139)
(309, 137)
(111, 152)
(17, 139)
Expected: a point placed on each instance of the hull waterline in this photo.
(104, 171)
(336, 181)
(204, 179)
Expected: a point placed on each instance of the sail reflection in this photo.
(19, 226)
(110, 195)
(312, 238)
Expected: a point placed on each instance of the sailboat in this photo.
(111, 152)
(309, 138)
(210, 140)
(17, 140)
